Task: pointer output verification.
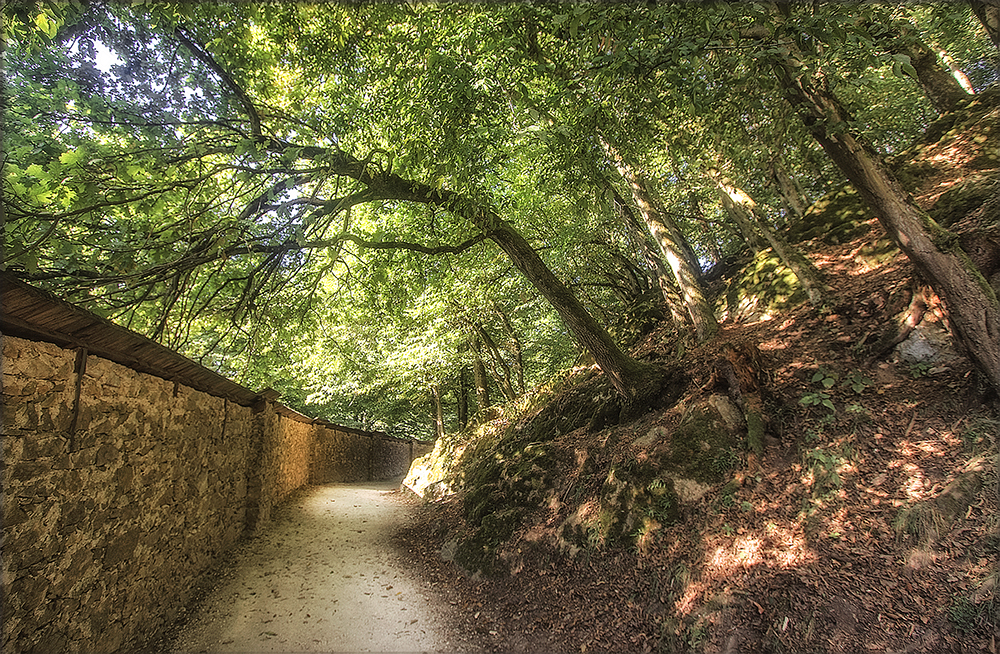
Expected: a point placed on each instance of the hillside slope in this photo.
(818, 487)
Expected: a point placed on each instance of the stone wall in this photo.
(121, 488)
(280, 462)
(342, 455)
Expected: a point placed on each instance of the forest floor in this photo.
(843, 539)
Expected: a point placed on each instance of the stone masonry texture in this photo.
(120, 489)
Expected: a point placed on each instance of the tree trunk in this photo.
(988, 13)
(972, 304)
(939, 85)
(462, 394)
(516, 351)
(663, 276)
(501, 369)
(738, 215)
(630, 377)
(738, 201)
(479, 374)
(667, 236)
(960, 77)
(788, 190)
(438, 411)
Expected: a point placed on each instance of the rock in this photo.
(927, 344)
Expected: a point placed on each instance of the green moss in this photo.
(877, 253)
(765, 285)
(502, 481)
(968, 195)
(836, 218)
(635, 500)
(702, 448)
(755, 431)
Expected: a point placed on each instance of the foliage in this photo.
(217, 175)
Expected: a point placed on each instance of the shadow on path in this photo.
(322, 577)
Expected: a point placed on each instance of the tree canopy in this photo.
(359, 203)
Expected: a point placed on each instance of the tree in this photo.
(974, 309)
(234, 147)
(672, 245)
(988, 13)
(743, 209)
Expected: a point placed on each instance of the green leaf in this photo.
(71, 157)
(46, 25)
(901, 64)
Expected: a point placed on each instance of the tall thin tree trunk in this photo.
(480, 376)
(666, 236)
(516, 351)
(664, 278)
(973, 307)
(462, 394)
(789, 191)
(740, 202)
(501, 369)
(738, 215)
(438, 411)
(956, 71)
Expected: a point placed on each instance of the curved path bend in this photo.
(322, 577)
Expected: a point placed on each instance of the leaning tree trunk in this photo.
(988, 13)
(738, 202)
(632, 379)
(972, 304)
(737, 215)
(669, 239)
(939, 85)
(664, 280)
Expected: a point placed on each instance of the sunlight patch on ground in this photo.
(777, 546)
(742, 553)
(772, 344)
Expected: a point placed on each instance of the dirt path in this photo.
(322, 577)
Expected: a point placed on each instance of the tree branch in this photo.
(203, 55)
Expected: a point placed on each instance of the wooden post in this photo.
(79, 369)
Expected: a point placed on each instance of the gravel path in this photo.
(323, 577)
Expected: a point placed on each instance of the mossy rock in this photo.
(502, 483)
(636, 498)
(763, 286)
(640, 495)
(508, 476)
(835, 218)
(477, 553)
(707, 444)
(965, 197)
